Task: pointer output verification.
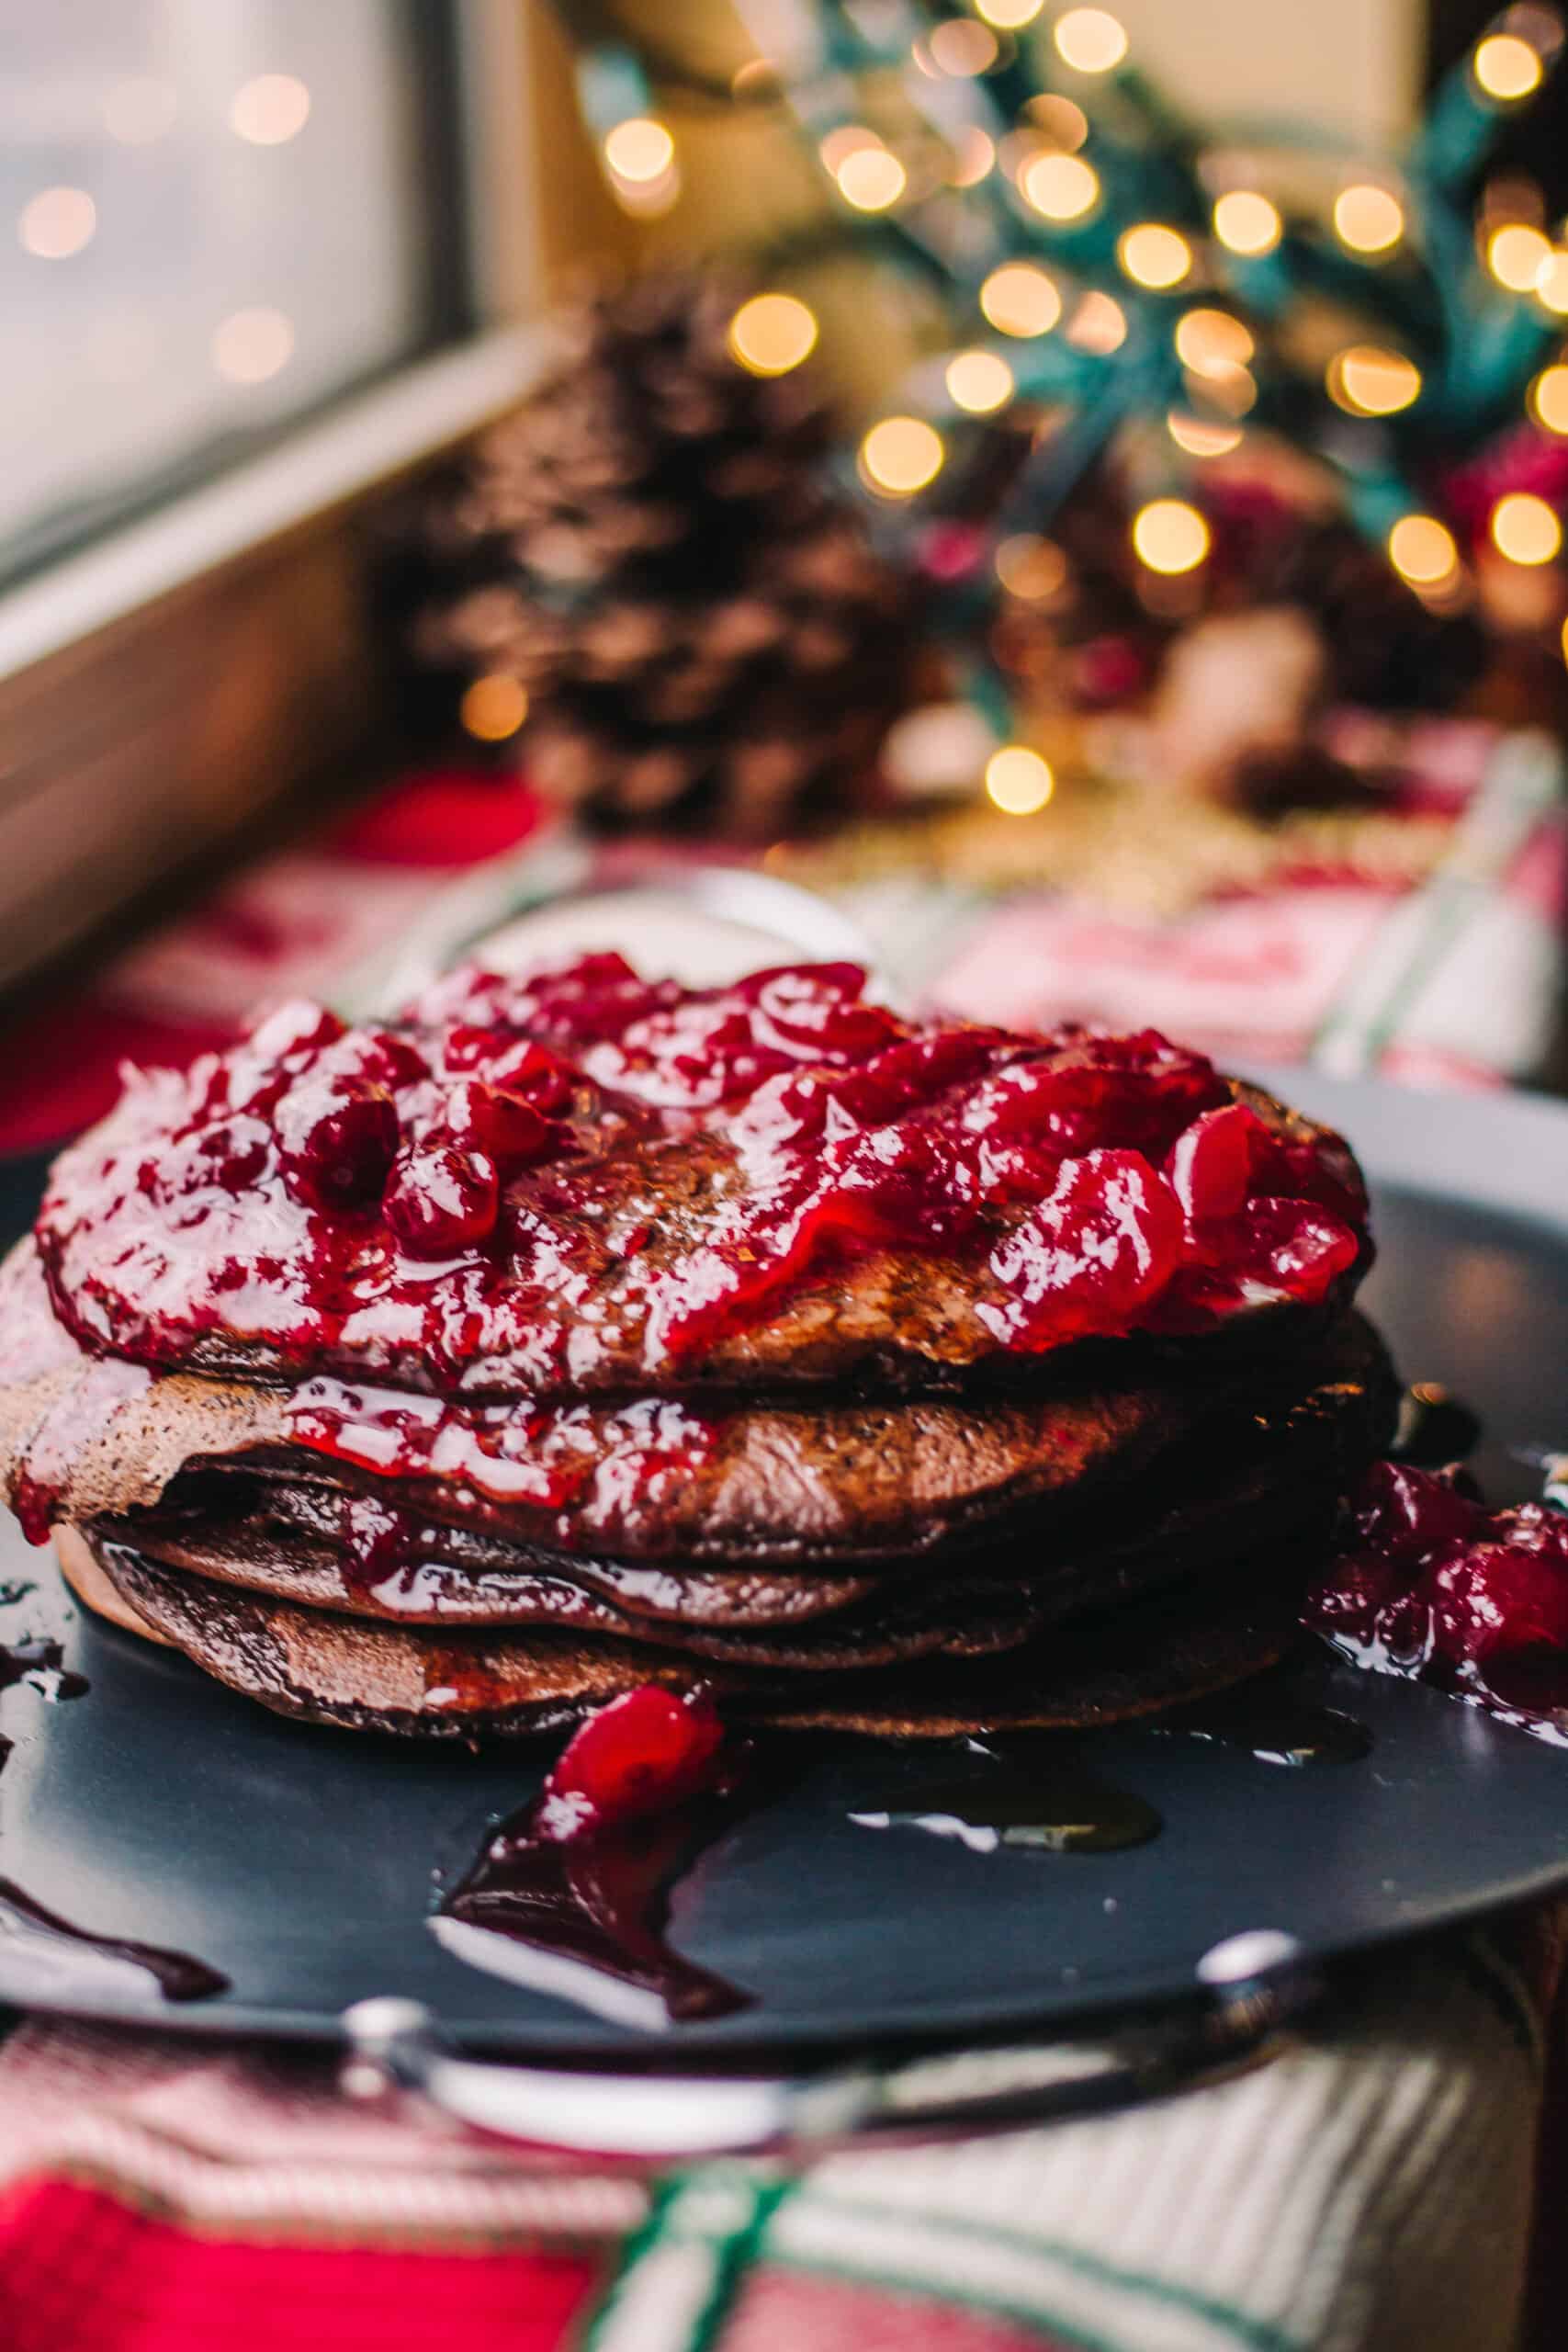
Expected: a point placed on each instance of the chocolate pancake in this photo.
(1277, 1464)
(837, 1484)
(575, 1330)
(334, 1669)
(490, 1641)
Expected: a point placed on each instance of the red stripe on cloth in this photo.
(80, 2272)
(452, 817)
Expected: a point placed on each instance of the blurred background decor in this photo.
(1084, 494)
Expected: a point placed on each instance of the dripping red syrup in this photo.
(1433, 1585)
(583, 1875)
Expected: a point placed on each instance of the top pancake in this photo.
(666, 1241)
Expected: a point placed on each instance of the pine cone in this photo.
(705, 637)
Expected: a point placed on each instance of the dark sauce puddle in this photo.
(38, 1664)
(178, 1975)
(558, 1916)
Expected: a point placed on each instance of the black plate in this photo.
(304, 1863)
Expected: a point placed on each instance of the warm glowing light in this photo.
(1031, 569)
(57, 223)
(1515, 254)
(1062, 188)
(1019, 781)
(251, 345)
(274, 107)
(1091, 40)
(1367, 219)
(963, 48)
(1549, 399)
(1169, 536)
(1246, 223)
(1565, 640)
(1212, 342)
(1506, 67)
(1009, 15)
(1099, 325)
(900, 456)
(138, 111)
(979, 381)
(844, 142)
(1368, 381)
(1063, 120)
(1422, 549)
(638, 149)
(870, 179)
(492, 709)
(1154, 255)
(1019, 299)
(975, 157)
(771, 334)
(1551, 282)
(1231, 388)
(1199, 438)
(1525, 528)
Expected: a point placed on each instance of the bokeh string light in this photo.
(1014, 175)
(772, 333)
(1019, 781)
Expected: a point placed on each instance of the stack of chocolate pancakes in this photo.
(573, 1331)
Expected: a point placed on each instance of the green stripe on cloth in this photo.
(678, 2274)
(1079, 2296)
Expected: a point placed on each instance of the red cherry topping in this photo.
(478, 1118)
(1405, 1515)
(442, 1200)
(1210, 1162)
(643, 1753)
(338, 1138)
(1089, 1257)
(1435, 1585)
(758, 1132)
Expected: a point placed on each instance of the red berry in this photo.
(478, 1119)
(914, 1072)
(645, 1751)
(1092, 1257)
(1348, 1602)
(441, 1200)
(1210, 1162)
(338, 1137)
(1319, 1168)
(814, 1011)
(1093, 1093)
(1290, 1247)
(1405, 1515)
(910, 1182)
(535, 1075)
(1495, 1598)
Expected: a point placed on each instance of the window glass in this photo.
(214, 215)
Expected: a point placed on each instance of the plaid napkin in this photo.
(1371, 2191)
